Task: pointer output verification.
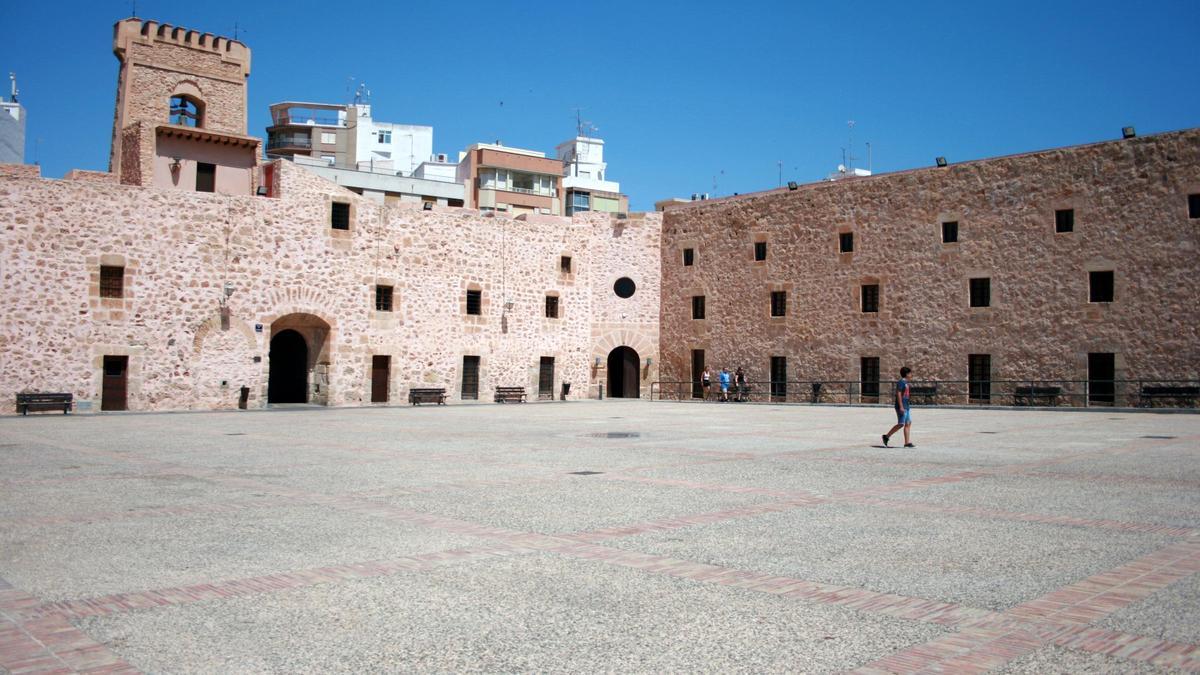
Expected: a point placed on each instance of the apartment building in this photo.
(510, 180)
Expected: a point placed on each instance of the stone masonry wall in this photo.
(1131, 216)
(287, 268)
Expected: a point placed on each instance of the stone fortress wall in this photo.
(288, 268)
(1131, 216)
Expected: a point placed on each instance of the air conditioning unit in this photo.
(442, 157)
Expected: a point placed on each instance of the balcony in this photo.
(280, 142)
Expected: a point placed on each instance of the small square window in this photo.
(564, 264)
(1064, 220)
(339, 218)
(697, 306)
(778, 303)
(689, 257)
(206, 177)
(383, 298)
(551, 306)
(112, 281)
(760, 251)
(1194, 206)
(474, 302)
(846, 242)
(1100, 286)
(981, 292)
(950, 232)
(870, 298)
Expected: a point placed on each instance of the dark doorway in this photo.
(288, 379)
(778, 378)
(697, 373)
(470, 378)
(381, 368)
(979, 377)
(623, 380)
(868, 368)
(113, 388)
(546, 379)
(1102, 371)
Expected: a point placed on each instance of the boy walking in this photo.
(724, 384)
(903, 410)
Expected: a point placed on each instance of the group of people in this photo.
(740, 390)
(734, 384)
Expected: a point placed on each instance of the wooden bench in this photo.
(1180, 394)
(44, 401)
(1033, 395)
(418, 395)
(926, 392)
(510, 394)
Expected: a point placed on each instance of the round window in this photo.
(624, 287)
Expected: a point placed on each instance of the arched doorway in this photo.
(624, 380)
(288, 378)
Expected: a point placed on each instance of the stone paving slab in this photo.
(80, 560)
(530, 614)
(758, 538)
(987, 564)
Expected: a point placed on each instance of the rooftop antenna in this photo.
(869, 157)
(362, 94)
(133, 8)
(582, 126)
(780, 163)
(15, 91)
(850, 145)
(236, 30)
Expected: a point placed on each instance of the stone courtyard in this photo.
(616, 536)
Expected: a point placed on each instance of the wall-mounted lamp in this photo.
(176, 162)
(941, 161)
(792, 185)
(263, 191)
(597, 364)
(1128, 132)
(428, 206)
(649, 361)
(228, 288)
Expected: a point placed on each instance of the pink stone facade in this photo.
(1130, 205)
(287, 268)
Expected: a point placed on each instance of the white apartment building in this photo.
(584, 184)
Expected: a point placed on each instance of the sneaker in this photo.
(909, 445)
(885, 440)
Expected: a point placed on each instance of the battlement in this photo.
(132, 30)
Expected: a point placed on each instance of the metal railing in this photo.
(1144, 393)
(276, 142)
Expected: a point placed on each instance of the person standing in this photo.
(706, 381)
(724, 384)
(903, 410)
(739, 381)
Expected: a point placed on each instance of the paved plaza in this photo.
(615, 536)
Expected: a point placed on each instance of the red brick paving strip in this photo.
(48, 644)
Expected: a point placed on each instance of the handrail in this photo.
(1178, 393)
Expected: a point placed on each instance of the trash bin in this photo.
(566, 389)
(243, 398)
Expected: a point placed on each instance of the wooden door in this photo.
(381, 367)
(114, 386)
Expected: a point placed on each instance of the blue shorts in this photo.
(904, 416)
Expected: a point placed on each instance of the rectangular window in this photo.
(870, 298)
(206, 177)
(328, 138)
(551, 306)
(470, 378)
(846, 242)
(339, 217)
(689, 257)
(778, 378)
(112, 281)
(383, 298)
(979, 377)
(1064, 220)
(760, 251)
(1194, 206)
(950, 232)
(697, 306)
(1100, 286)
(778, 303)
(868, 369)
(385, 136)
(564, 263)
(981, 292)
(580, 202)
(474, 302)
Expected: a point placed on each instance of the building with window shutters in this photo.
(194, 275)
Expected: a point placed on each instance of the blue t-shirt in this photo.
(724, 378)
(902, 389)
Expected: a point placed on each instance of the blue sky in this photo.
(685, 94)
